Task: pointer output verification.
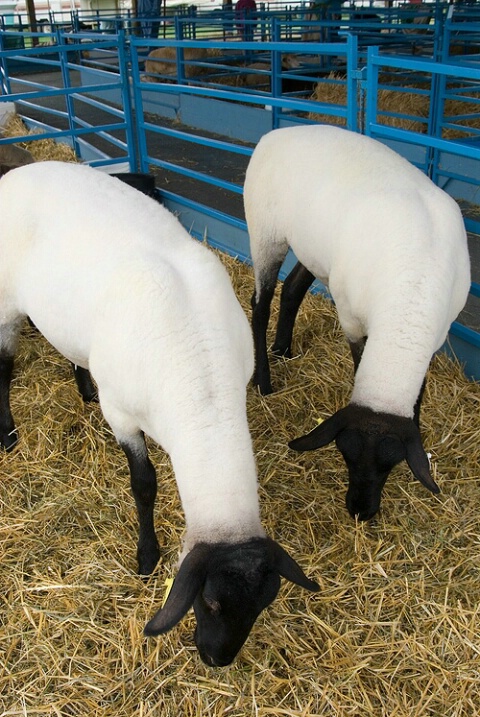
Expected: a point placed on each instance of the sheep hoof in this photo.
(264, 386)
(148, 560)
(281, 351)
(8, 440)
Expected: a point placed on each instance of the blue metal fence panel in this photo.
(435, 141)
(443, 160)
(114, 71)
(54, 94)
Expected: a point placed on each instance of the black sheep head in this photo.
(228, 586)
(371, 444)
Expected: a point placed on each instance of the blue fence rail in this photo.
(452, 163)
(63, 107)
(213, 77)
(457, 134)
(227, 121)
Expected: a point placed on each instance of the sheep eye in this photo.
(390, 452)
(350, 444)
(212, 605)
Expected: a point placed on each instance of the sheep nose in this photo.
(365, 515)
(361, 511)
(208, 659)
(214, 662)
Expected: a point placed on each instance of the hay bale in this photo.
(454, 108)
(404, 102)
(40, 149)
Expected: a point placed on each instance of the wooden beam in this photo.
(32, 19)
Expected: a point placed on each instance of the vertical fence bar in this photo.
(275, 74)
(179, 35)
(138, 108)
(372, 93)
(4, 79)
(70, 105)
(352, 82)
(435, 119)
(123, 56)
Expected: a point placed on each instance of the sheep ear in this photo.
(186, 586)
(289, 569)
(418, 463)
(322, 435)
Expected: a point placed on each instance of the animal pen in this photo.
(395, 627)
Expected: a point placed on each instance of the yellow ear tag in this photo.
(168, 586)
(320, 420)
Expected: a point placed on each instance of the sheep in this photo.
(11, 156)
(391, 247)
(261, 74)
(163, 61)
(161, 66)
(129, 296)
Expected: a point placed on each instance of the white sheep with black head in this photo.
(391, 247)
(117, 285)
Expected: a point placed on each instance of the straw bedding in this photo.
(404, 100)
(394, 630)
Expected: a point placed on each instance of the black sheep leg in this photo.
(85, 384)
(9, 333)
(143, 481)
(294, 289)
(261, 302)
(8, 434)
(356, 349)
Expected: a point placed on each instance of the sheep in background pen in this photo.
(259, 73)
(163, 61)
(127, 294)
(161, 66)
(392, 249)
(13, 156)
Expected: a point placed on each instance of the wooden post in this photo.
(32, 19)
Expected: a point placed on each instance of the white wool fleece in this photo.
(388, 243)
(127, 293)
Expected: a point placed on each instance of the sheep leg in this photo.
(294, 289)
(9, 333)
(356, 349)
(8, 434)
(261, 302)
(85, 384)
(143, 481)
